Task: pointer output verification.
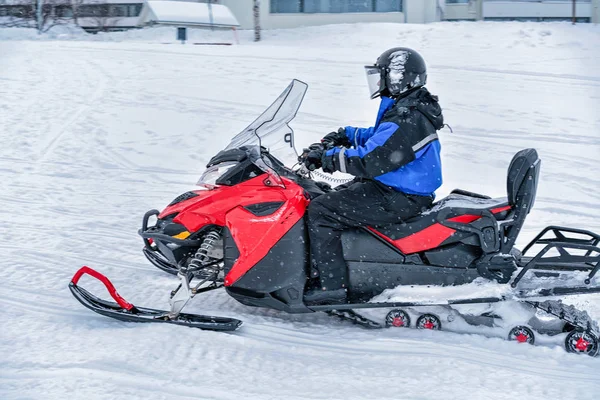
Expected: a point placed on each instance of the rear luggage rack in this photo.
(564, 245)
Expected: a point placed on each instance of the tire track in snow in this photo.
(335, 63)
(76, 115)
(406, 348)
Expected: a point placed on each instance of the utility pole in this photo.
(574, 11)
(210, 15)
(256, 9)
(39, 18)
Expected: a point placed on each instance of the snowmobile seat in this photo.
(470, 218)
(443, 224)
(521, 188)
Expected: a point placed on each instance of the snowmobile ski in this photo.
(125, 311)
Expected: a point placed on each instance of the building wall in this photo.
(544, 9)
(596, 11)
(275, 21)
(242, 9)
(519, 9)
(421, 11)
(458, 12)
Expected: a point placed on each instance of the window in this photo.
(93, 10)
(388, 5)
(117, 10)
(16, 11)
(457, 1)
(335, 6)
(64, 11)
(134, 10)
(289, 6)
(110, 10)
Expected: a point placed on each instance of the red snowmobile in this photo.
(244, 230)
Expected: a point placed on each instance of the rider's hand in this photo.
(338, 138)
(312, 156)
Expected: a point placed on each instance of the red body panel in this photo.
(432, 236)
(254, 236)
(210, 207)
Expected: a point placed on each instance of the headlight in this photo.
(212, 174)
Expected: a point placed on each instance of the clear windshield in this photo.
(271, 129)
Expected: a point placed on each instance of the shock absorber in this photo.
(201, 258)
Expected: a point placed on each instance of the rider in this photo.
(396, 164)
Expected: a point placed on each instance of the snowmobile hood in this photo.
(426, 103)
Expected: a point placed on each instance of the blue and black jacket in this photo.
(402, 150)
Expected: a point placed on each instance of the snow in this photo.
(98, 129)
(439, 295)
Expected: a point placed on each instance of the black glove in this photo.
(327, 163)
(324, 186)
(312, 156)
(338, 138)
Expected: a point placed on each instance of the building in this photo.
(91, 15)
(186, 14)
(295, 13)
(114, 15)
(94, 15)
(276, 14)
(522, 10)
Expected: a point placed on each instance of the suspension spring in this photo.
(201, 257)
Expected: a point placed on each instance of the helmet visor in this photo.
(374, 80)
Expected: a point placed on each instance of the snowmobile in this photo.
(244, 230)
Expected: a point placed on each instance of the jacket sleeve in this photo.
(358, 136)
(388, 149)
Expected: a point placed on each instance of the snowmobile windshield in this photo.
(373, 79)
(212, 174)
(271, 129)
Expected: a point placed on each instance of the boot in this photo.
(321, 297)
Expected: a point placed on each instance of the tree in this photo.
(43, 14)
(256, 9)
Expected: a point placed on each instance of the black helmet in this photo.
(396, 71)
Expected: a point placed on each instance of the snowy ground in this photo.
(95, 132)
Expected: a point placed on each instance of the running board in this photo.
(522, 295)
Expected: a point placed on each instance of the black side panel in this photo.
(183, 197)
(360, 245)
(370, 279)
(458, 255)
(230, 250)
(264, 209)
(277, 281)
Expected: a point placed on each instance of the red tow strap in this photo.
(109, 286)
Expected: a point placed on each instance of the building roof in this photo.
(186, 13)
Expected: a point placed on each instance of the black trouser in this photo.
(367, 203)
